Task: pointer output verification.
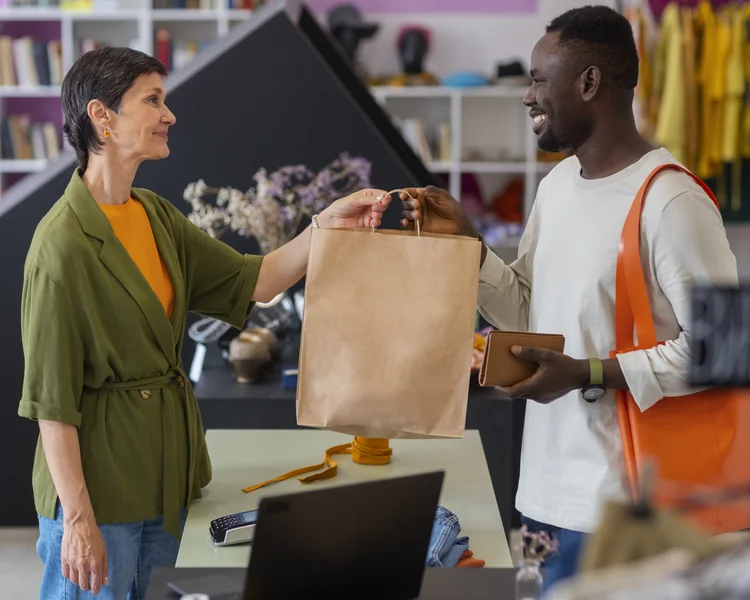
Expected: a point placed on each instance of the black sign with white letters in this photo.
(720, 343)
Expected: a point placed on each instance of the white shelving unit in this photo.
(490, 120)
(132, 24)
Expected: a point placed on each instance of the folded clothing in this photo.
(446, 548)
(468, 561)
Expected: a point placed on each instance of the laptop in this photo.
(366, 540)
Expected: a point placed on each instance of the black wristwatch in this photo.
(595, 388)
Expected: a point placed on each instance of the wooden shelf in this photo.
(55, 14)
(490, 91)
(440, 166)
(22, 166)
(42, 91)
(494, 167)
(114, 16)
(178, 14)
(239, 15)
(30, 14)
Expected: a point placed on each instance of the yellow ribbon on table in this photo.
(364, 451)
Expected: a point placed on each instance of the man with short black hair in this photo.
(584, 71)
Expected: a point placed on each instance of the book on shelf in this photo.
(174, 55)
(444, 142)
(184, 4)
(429, 147)
(28, 62)
(207, 4)
(22, 139)
(245, 4)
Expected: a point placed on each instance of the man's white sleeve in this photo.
(505, 290)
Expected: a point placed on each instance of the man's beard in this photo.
(548, 141)
(570, 138)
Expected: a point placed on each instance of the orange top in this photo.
(132, 227)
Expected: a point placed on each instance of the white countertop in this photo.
(242, 458)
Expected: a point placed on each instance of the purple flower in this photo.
(271, 209)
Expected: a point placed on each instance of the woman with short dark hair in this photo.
(110, 276)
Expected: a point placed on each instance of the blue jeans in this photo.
(564, 562)
(446, 548)
(133, 550)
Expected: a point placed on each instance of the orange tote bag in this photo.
(696, 443)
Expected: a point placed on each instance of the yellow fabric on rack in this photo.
(735, 93)
(364, 451)
(670, 127)
(658, 74)
(745, 138)
(692, 115)
(723, 41)
(710, 91)
(735, 84)
(641, 30)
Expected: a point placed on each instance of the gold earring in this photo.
(106, 132)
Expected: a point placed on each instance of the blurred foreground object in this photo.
(640, 551)
(720, 343)
(672, 575)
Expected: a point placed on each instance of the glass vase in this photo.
(529, 580)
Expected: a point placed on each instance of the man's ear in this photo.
(591, 81)
(99, 115)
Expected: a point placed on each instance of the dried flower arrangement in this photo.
(538, 545)
(272, 210)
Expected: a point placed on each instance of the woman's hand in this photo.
(358, 210)
(84, 555)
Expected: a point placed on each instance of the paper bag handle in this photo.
(419, 233)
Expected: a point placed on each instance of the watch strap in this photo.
(597, 372)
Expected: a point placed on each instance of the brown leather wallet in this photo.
(502, 368)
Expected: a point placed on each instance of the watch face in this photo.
(593, 393)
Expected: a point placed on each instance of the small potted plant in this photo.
(537, 547)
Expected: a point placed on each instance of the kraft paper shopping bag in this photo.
(387, 333)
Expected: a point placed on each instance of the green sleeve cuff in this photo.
(35, 410)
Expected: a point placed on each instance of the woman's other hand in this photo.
(358, 210)
(84, 555)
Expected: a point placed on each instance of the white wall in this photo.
(465, 41)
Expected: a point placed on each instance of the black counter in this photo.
(226, 404)
(438, 584)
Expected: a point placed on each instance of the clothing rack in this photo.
(692, 92)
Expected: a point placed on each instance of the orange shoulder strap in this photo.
(631, 298)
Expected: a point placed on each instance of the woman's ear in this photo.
(99, 115)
